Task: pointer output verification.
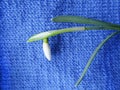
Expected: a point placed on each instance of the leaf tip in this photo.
(53, 19)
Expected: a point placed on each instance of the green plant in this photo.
(98, 25)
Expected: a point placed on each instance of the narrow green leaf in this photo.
(93, 56)
(83, 20)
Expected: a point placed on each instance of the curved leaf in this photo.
(93, 56)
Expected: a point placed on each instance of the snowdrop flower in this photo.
(46, 49)
(45, 35)
(98, 25)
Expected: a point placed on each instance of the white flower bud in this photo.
(46, 50)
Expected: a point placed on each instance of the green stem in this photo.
(47, 34)
(60, 31)
(93, 56)
(45, 40)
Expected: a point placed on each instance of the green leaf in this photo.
(83, 20)
(93, 56)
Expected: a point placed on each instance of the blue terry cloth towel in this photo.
(23, 65)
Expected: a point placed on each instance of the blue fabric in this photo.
(23, 65)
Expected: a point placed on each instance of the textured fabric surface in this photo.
(23, 65)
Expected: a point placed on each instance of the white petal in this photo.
(46, 50)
